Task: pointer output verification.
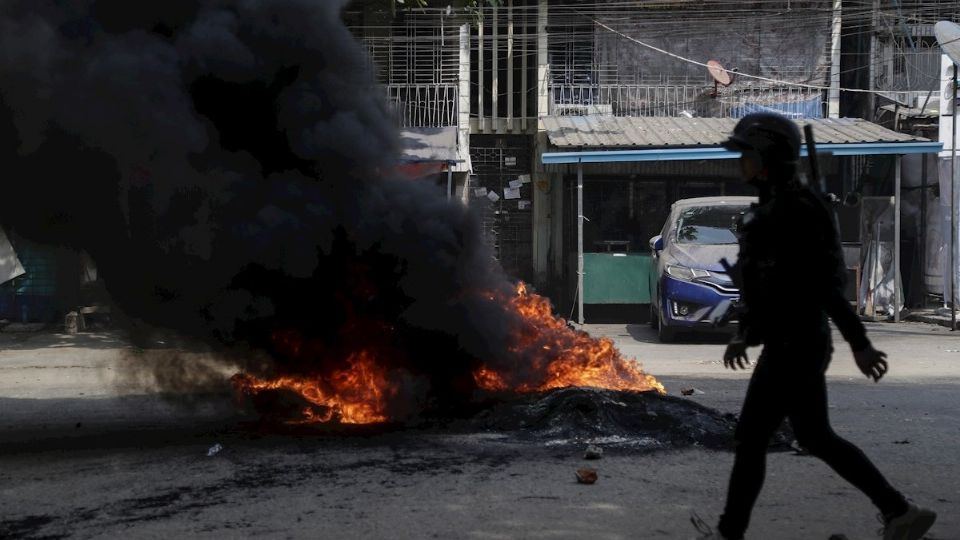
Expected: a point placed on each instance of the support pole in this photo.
(580, 242)
(543, 66)
(953, 205)
(449, 180)
(833, 109)
(923, 230)
(463, 104)
(495, 71)
(897, 284)
(510, 65)
(480, 67)
(524, 49)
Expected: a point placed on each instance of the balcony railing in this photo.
(424, 105)
(899, 67)
(681, 100)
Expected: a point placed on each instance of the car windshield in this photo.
(709, 224)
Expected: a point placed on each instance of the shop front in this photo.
(618, 178)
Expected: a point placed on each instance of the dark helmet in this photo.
(775, 138)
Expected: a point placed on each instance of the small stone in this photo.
(586, 476)
(593, 452)
(691, 392)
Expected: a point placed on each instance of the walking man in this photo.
(792, 278)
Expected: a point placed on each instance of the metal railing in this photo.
(795, 101)
(899, 66)
(424, 105)
(680, 100)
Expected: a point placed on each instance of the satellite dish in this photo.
(948, 36)
(725, 78)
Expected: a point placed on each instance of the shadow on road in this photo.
(645, 334)
(30, 426)
(114, 338)
(49, 339)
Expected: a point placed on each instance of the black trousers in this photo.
(789, 382)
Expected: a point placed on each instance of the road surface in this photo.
(88, 453)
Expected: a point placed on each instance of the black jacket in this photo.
(792, 273)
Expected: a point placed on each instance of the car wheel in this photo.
(665, 333)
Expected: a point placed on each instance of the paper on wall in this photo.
(511, 193)
(515, 184)
(523, 204)
(492, 195)
(525, 178)
(480, 192)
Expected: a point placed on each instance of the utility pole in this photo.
(833, 109)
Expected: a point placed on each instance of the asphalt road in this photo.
(87, 452)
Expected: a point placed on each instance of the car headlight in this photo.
(686, 274)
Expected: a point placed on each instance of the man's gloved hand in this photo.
(736, 354)
(871, 362)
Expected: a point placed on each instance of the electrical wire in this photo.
(778, 82)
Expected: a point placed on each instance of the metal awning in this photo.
(610, 139)
(429, 144)
(435, 145)
(429, 150)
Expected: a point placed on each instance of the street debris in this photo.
(593, 452)
(71, 323)
(214, 450)
(798, 450)
(637, 421)
(586, 476)
(904, 441)
(692, 391)
(838, 537)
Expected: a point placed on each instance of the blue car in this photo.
(688, 281)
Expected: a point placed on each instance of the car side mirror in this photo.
(656, 244)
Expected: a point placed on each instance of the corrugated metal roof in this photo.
(667, 132)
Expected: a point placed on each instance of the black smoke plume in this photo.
(227, 164)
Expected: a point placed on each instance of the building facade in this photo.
(498, 70)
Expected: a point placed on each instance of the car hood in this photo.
(706, 257)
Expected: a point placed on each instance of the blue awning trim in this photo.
(698, 154)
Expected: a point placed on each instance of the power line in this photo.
(735, 73)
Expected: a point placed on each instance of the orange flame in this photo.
(489, 380)
(356, 394)
(562, 357)
(546, 353)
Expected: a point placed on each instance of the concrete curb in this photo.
(930, 319)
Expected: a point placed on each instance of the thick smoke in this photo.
(227, 164)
